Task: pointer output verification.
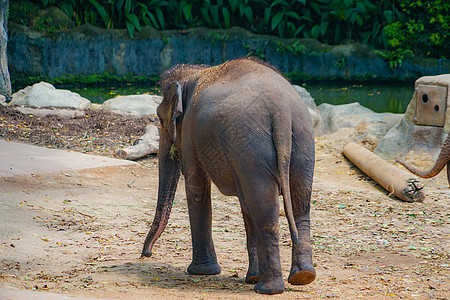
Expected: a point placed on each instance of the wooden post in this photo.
(397, 181)
(146, 144)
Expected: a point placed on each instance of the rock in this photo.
(96, 106)
(39, 53)
(352, 123)
(408, 137)
(312, 108)
(45, 94)
(134, 104)
(52, 19)
(405, 137)
(354, 115)
(45, 112)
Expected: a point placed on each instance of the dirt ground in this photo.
(81, 233)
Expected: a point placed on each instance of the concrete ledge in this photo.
(23, 159)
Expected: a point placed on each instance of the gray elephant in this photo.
(242, 126)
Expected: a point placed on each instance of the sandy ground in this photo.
(81, 233)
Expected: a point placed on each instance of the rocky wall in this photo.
(88, 50)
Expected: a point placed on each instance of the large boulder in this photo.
(353, 123)
(335, 117)
(312, 108)
(51, 19)
(45, 94)
(134, 104)
(425, 125)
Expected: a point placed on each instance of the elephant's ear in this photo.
(177, 102)
(177, 107)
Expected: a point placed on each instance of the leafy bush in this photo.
(399, 27)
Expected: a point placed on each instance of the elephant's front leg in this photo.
(198, 192)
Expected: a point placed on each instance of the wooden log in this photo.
(397, 181)
(146, 144)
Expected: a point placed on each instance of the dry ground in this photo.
(81, 233)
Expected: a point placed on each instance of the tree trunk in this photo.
(146, 144)
(397, 181)
(5, 82)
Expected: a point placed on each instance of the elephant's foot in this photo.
(204, 269)
(272, 287)
(251, 277)
(252, 273)
(302, 277)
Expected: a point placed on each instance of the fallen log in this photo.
(146, 144)
(398, 182)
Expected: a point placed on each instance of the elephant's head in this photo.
(170, 113)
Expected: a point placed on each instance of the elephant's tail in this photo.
(442, 160)
(282, 137)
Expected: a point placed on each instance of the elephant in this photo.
(242, 126)
(442, 160)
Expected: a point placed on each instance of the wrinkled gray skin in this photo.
(242, 126)
(442, 161)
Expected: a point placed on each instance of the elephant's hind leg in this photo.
(302, 268)
(261, 200)
(253, 268)
(198, 192)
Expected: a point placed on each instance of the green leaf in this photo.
(128, 6)
(233, 5)
(267, 13)
(359, 20)
(361, 7)
(187, 11)
(101, 11)
(130, 29)
(119, 4)
(316, 7)
(205, 16)
(276, 20)
(214, 9)
(160, 16)
(281, 29)
(323, 27)
(388, 15)
(134, 20)
(275, 3)
(315, 31)
(226, 17)
(299, 29)
(248, 13)
(153, 20)
(293, 14)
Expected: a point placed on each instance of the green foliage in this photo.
(296, 48)
(423, 28)
(257, 51)
(416, 25)
(173, 152)
(395, 57)
(340, 63)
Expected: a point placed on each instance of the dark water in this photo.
(378, 98)
(99, 94)
(393, 99)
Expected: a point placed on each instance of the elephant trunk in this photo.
(169, 174)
